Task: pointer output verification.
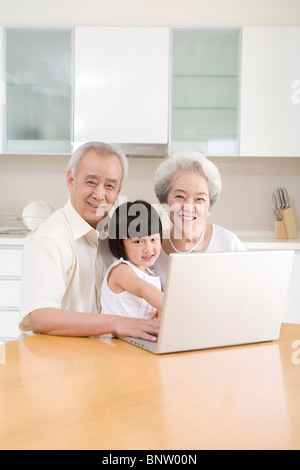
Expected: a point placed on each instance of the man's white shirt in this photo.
(62, 267)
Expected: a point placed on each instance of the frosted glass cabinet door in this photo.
(205, 91)
(38, 91)
(121, 85)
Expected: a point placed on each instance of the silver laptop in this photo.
(215, 300)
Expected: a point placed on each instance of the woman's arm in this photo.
(123, 277)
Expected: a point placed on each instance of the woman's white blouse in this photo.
(222, 240)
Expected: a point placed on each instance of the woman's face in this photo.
(188, 202)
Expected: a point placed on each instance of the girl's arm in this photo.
(122, 277)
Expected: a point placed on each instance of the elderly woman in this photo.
(188, 184)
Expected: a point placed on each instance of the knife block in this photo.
(286, 228)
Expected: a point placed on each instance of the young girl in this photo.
(130, 288)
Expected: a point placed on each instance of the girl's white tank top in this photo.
(126, 304)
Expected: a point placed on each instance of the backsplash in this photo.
(245, 204)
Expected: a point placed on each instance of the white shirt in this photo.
(62, 266)
(124, 303)
(222, 240)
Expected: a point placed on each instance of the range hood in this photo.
(136, 150)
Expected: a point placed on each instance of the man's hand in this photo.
(136, 328)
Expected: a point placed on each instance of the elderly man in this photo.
(64, 260)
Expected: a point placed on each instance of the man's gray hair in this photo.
(100, 148)
(186, 161)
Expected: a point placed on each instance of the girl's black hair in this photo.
(136, 219)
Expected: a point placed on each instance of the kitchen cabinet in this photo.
(39, 92)
(10, 287)
(293, 298)
(270, 106)
(205, 91)
(121, 85)
(2, 91)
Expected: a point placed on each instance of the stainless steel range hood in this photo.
(136, 150)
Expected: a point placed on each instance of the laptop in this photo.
(215, 300)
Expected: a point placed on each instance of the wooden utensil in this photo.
(285, 226)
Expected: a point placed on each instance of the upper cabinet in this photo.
(217, 91)
(205, 91)
(121, 85)
(2, 90)
(270, 106)
(39, 91)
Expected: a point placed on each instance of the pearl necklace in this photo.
(194, 247)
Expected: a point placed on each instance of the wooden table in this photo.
(91, 393)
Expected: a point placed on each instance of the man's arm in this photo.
(58, 322)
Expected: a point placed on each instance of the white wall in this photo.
(191, 13)
(245, 203)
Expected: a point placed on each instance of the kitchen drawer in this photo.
(10, 261)
(9, 324)
(10, 290)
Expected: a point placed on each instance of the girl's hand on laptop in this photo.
(155, 315)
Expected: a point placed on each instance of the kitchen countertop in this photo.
(12, 239)
(270, 243)
(91, 393)
(251, 241)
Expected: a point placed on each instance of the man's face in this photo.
(95, 186)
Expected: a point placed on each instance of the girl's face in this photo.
(143, 252)
(188, 202)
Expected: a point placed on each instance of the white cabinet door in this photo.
(2, 94)
(292, 314)
(270, 106)
(121, 85)
(10, 292)
(9, 325)
(10, 261)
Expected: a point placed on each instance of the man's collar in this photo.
(79, 226)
